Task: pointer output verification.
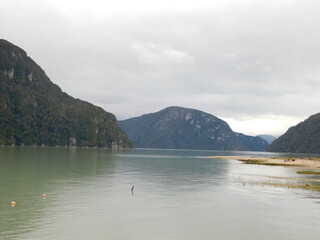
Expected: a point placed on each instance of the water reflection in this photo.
(145, 194)
(70, 177)
(28, 173)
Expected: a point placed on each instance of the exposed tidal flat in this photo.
(308, 166)
(308, 162)
(177, 194)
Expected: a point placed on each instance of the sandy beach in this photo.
(311, 163)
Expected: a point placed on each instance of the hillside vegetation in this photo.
(34, 111)
(184, 128)
(302, 138)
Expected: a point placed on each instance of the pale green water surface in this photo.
(177, 195)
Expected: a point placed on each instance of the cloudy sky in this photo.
(253, 63)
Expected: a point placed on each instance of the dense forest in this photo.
(35, 111)
(185, 128)
(302, 138)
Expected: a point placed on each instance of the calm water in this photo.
(177, 195)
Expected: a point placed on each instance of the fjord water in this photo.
(177, 195)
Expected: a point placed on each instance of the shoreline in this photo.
(307, 168)
(312, 163)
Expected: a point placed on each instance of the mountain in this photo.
(34, 111)
(268, 138)
(184, 128)
(253, 143)
(302, 138)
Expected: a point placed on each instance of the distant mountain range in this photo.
(302, 138)
(252, 143)
(268, 138)
(34, 111)
(184, 128)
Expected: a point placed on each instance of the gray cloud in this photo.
(235, 59)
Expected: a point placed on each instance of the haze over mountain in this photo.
(302, 138)
(34, 111)
(268, 138)
(184, 128)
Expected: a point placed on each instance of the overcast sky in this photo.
(252, 63)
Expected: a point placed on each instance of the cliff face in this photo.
(183, 128)
(302, 138)
(33, 110)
